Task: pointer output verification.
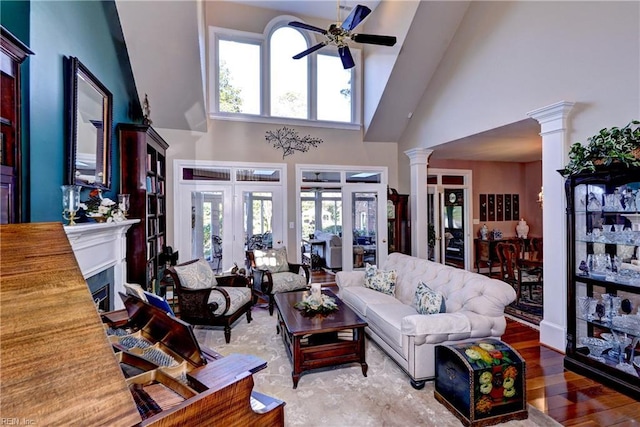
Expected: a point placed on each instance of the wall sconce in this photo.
(541, 197)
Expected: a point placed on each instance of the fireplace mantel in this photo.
(98, 247)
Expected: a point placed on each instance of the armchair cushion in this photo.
(428, 301)
(274, 259)
(196, 275)
(287, 281)
(238, 297)
(380, 280)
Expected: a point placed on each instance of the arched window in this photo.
(255, 77)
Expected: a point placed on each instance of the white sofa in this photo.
(332, 249)
(474, 309)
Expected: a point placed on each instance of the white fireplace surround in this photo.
(98, 247)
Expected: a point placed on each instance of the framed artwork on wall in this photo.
(499, 207)
(516, 207)
(483, 207)
(507, 207)
(491, 209)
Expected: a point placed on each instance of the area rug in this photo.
(528, 308)
(339, 396)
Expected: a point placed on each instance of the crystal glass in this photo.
(596, 346)
(123, 203)
(70, 202)
(584, 304)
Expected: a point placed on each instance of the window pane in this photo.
(270, 175)
(308, 176)
(206, 174)
(288, 75)
(334, 89)
(239, 77)
(364, 177)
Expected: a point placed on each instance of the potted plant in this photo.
(610, 145)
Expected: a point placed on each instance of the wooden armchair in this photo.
(272, 273)
(206, 299)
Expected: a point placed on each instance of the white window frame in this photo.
(219, 33)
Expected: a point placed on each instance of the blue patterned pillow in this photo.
(379, 280)
(428, 301)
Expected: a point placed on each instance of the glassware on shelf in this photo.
(596, 346)
(584, 304)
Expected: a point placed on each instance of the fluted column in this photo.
(553, 123)
(418, 200)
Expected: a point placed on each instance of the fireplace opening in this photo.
(101, 286)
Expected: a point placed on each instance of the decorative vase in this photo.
(484, 232)
(522, 229)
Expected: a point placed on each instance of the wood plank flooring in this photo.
(567, 397)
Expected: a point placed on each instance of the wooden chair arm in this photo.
(295, 268)
(233, 280)
(262, 280)
(227, 301)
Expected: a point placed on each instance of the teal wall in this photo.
(14, 16)
(90, 31)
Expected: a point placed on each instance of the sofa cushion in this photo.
(429, 301)
(288, 281)
(380, 280)
(440, 323)
(197, 275)
(386, 321)
(238, 296)
(359, 298)
(273, 259)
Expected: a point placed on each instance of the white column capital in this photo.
(552, 118)
(418, 155)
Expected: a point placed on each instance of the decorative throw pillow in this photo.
(380, 280)
(274, 260)
(428, 301)
(197, 275)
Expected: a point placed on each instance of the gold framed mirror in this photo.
(89, 105)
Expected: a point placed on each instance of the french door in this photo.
(217, 220)
(449, 217)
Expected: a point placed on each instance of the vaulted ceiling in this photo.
(166, 41)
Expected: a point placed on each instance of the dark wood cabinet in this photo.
(603, 282)
(399, 233)
(143, 176)
(12, 54)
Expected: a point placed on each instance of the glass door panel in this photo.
(261, 227)
(207, 233)
(454, 230)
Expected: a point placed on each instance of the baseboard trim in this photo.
(553, 335)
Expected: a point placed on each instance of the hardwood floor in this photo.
(567, 397)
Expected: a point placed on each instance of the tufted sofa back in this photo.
(463, 290)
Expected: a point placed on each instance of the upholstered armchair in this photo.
(206, 299)
(272, 273)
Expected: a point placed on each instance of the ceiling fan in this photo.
(338, 33)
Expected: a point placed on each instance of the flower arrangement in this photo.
(312, 305)
(102, 209)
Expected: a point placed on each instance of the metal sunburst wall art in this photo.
(289, 141)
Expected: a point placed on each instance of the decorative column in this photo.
(553, 123)
(418, 201)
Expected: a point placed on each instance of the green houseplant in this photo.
(610, 145)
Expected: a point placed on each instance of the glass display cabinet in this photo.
(603, 327)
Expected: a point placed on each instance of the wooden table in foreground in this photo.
(321, 340)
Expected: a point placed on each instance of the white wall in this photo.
(242, 141)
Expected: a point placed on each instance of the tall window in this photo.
(289, 81)
(238, 77)
(256, 76)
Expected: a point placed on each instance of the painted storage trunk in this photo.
(482, 382)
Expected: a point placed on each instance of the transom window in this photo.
(254, 77)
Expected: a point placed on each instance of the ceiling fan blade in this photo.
(374, 39)
(310, 50)
(307, 27)
(356, 16)
(345, 56)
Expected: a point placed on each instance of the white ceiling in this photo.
(181, 104)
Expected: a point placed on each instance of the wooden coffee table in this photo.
(320, 340)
